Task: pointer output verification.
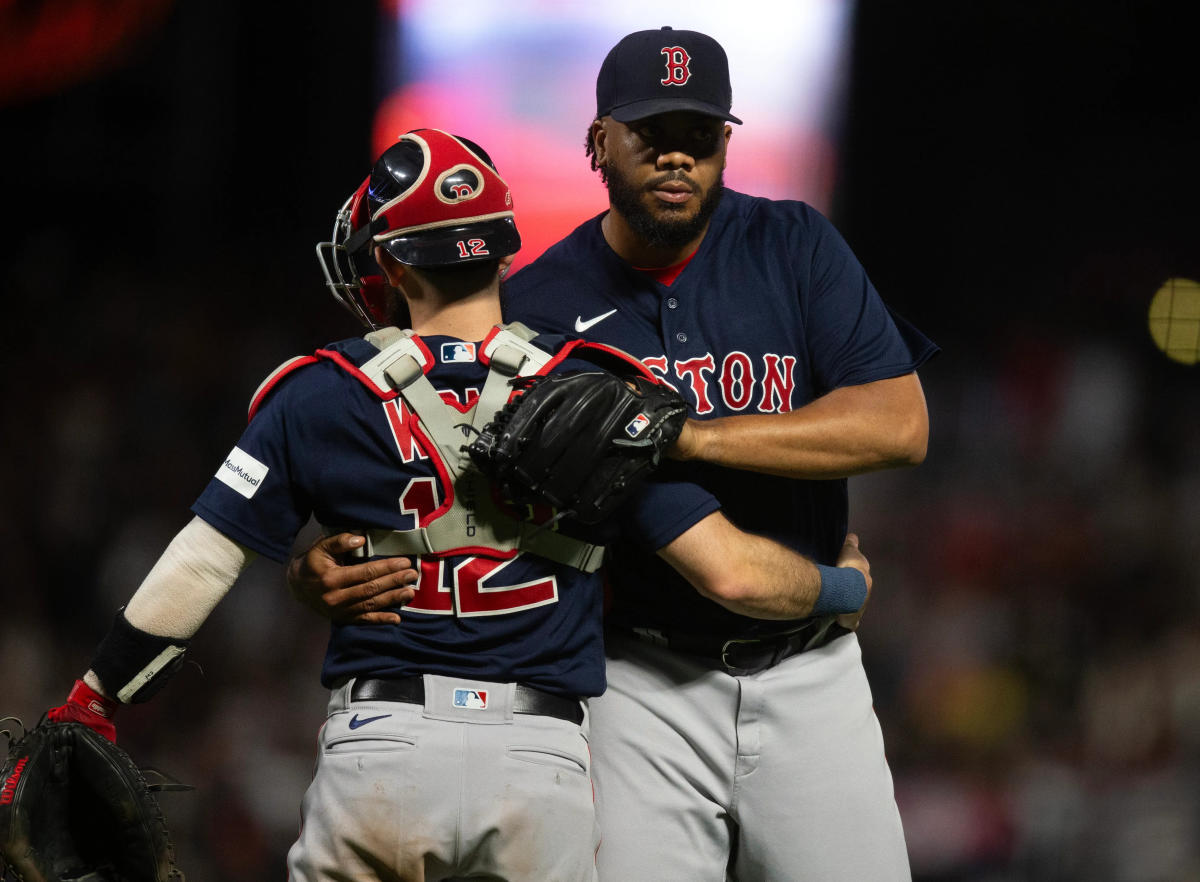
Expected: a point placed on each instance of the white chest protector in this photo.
(473, 523)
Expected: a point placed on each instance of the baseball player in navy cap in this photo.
(730, 744)
(728, 747)
(456, 740)
(664, 71)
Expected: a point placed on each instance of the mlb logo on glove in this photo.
(637, 425)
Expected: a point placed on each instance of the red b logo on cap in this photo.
(677, 66)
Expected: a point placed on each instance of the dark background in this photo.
(1018, 179)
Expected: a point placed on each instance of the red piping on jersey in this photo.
(557, 358)
(484, 358)
(348, 366)
(577, 349)
(426, 354)
(435, 457)
(569, 348)
(273, 381)
(624, 356)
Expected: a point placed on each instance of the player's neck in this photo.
(468, 318)
(635, 251)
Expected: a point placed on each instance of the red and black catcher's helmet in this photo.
(432, 199)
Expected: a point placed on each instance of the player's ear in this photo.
(393, 270)
(725, 151)
(505, 263)
(599, 136)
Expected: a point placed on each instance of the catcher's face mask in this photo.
(351, 273)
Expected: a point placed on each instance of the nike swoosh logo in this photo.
(355, 722)
(581, 325)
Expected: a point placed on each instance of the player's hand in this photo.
(86, 705)
(355, 593)
(850, 556)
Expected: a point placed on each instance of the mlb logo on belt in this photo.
(637, 425)
(472, 699)
(456, 352)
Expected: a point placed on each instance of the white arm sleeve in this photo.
(188, 581)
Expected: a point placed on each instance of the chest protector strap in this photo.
(473, 522)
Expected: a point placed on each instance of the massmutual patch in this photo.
(242, 472)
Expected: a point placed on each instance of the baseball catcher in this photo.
(75, 808)
(579, 440)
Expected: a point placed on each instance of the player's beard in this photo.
(672, 230)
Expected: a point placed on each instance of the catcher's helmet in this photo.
(432, 199)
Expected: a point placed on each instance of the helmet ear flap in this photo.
(374, 292)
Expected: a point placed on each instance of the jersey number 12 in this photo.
(472, 587)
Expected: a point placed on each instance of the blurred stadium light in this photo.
(1175, 320)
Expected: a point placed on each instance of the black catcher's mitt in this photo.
(73, 806)
(579, 440)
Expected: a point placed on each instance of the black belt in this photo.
(742, 656)
(526, 699)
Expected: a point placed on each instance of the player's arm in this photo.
(150, 635)
(849, 431)
(755, 576)
(194, 573)
(746, 573)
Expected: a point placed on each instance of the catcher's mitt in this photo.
(73, 806)
(579, 440)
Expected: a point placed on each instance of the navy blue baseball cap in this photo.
(652, 72)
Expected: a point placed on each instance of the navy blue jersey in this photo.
(772, 311)
(322, 443)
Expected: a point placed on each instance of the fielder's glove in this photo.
(579, 440)
(75, 808)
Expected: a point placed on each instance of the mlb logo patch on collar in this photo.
(472, 699)
(457, 352)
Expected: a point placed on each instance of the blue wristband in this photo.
(843, 590)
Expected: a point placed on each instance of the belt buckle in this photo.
(745, 671)
(781, 646)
